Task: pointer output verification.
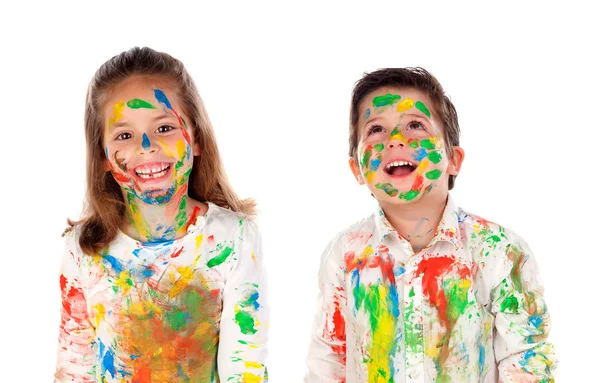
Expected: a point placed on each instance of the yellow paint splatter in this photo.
(422, 166)
(186, 275)
(180, 145)
(248, 377)
(436, 141)
(405, 105)
(253, 256)
(199, 240)
(397, 135)
(117, 113)
(100, 311)
(253, 365)
(124, 282)
(166, 148)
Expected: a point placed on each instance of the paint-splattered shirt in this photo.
(189, 310)
(468, 307)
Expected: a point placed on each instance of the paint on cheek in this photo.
(419, 154)
(136, 103)
(145, 142)
(435, 157)
(413, 143)
(367, 114)
(434, 174)
(388, 188)
(427, 144)
(405, 105)
(419, 105)
(378, 147)
(386, 100)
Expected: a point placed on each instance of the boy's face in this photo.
(401, 151)
(148, 146)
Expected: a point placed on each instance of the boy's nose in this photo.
(398, 144)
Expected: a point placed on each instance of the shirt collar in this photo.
(448, 229)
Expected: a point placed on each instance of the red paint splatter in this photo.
(63, 283)
(433, 270)
(418, 184)
(193, 217)
(337, 333)
(177, 253)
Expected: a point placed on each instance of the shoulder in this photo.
(352, 238)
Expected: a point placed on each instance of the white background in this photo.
(276, 79)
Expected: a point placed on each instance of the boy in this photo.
(422, 291)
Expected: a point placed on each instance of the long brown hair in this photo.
(416, 78)
(104, 207)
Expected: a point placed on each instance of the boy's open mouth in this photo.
(399, 168)
(151, 171)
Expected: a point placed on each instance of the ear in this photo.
(196, 149)
(458, 155)
(356, 170)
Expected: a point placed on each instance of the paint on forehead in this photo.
(137, 103)
(367, 114)
(405, 105)
(419, 105)
(386, 100)
(145, 142)
(162, 98)
(117, 113)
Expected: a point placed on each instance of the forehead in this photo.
(141, 87)
(403, 92)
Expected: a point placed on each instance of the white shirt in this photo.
(188, 310)
(468, 307)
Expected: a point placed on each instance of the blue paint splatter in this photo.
(420, 154)
(374, 164)
(145, 142)
(116, 265)
(367, 113)
(536, 321)
(162, 98)
(108, 360)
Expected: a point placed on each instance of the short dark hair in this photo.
(416, 78)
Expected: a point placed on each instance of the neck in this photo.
(418, 221)
(164, 222)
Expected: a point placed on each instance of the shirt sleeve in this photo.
(76, 345)
(244, 320)
(522, 321)
(327, 350)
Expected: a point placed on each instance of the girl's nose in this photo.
(398, 144)
(147, 146)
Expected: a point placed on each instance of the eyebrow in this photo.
(123, 122)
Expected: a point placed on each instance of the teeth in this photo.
(152, 171)
(398, 163)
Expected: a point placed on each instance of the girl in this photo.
(162, 281)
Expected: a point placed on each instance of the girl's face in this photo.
(402, 156)
(149, 147)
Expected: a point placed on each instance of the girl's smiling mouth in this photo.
(152, 171)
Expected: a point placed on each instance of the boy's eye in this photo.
(375, 129)
(123, 136)
(164, 129)
(415, 125)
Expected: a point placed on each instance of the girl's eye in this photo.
(164, 129)
(123, 136)
(375, 129)
(415, 125)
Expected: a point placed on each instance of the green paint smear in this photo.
(434, 174)
(181, 216)
(388, 188)
(136, 103)
(388, 99)
(414, 144)
(427, 144)
(409, 195)
(412, 330)
(176, 319)
(220, 258)
(378, 147)
(365, 159)
(395, 132)
(251, 299)
(457, 297)
(435, 157)
(419, 105)
(510, 304)
(246, 322)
